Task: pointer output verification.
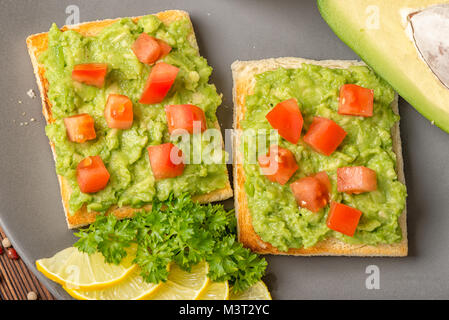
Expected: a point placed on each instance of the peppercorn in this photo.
(32, 295)
(6, 243)
(12, 254)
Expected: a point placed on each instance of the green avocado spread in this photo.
(276, 217)
(124, 151)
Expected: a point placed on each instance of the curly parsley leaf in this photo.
(109, 236)
(180, 231)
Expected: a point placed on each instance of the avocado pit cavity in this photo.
(430, 29)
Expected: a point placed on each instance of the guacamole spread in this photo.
(276, 217)
(124, 151)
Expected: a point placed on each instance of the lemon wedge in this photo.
(77, 270)
(216, 291)
(257, 291)
(183, 285)
(132, 287)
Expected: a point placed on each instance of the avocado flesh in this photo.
(389, 50)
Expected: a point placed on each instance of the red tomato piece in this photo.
(324, 135)
(311, 193)
(356, 179)
(324, 179)
(146, 48)
(287, 119)
(165, 48)
(119, 112)
(356, 101)
(166, 161)
(92, 175)
(80, 128)
(159, 82)
(183, 116)
(278, 165)
(92, 74)
(343, 218)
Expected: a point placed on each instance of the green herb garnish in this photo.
(177, 230)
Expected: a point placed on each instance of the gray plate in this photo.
(30, 205)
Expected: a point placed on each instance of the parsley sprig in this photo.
(177, 230)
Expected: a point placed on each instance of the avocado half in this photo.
(377, 31)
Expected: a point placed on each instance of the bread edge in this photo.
(243, 73)
(36, 44)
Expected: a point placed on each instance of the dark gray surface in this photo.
(30, 206)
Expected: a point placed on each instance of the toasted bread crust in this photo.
(244, 82)
(37, 44)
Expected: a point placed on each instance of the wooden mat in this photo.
(16, 280)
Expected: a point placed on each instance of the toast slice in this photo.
(243, 73)
(37, 44)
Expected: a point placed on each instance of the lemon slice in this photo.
(78, 270)
(216, 291)
(182, 285)
(257, 291)
(133, 287)
(172, 291)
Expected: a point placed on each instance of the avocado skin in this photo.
(418, 91)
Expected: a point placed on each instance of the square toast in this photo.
(243, 73)
(37, 44)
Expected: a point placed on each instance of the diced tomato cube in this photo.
(159, 82)
(119, 112)
(92, 175)
(324, 179)
(312, 192)
(324, 135)
(166, 161)
(356, 101)
(146, 48)
(343, 218)
(356, 179)
(92, 74)
(185, 116)
(278, 165)
(149, 49)
(287, 119)
(165, 48)
(80, 128)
